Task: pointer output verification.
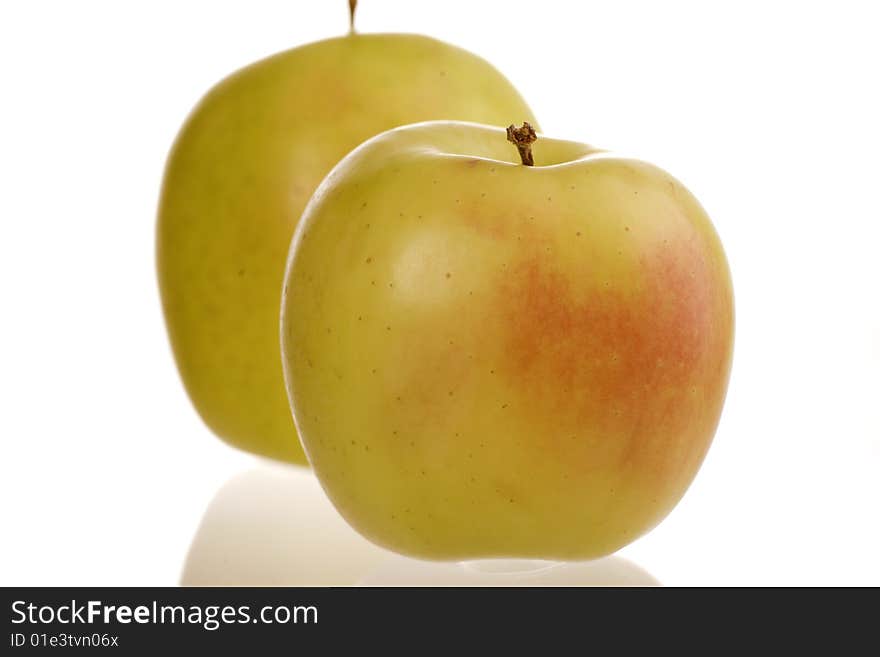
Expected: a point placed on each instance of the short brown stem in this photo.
(352, 7)
(523, 137)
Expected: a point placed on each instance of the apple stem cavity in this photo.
(352, 7)
(523, 137)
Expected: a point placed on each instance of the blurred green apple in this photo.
(237, 179)
(486, 359)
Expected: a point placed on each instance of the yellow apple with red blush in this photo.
(486, 358)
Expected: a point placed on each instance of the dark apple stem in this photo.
(352, 7)
(523, 137)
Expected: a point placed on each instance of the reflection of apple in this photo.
(238, 177)
(398, 570)
(491, 359)
(273, 526)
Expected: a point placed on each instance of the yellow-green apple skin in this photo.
(487, 359)
(237, 179)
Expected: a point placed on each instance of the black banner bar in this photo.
(418, 620)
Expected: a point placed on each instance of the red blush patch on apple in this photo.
(608, 361)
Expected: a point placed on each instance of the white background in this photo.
(767, 110)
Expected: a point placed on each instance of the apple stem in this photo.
(352, 7)
(523, 137)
